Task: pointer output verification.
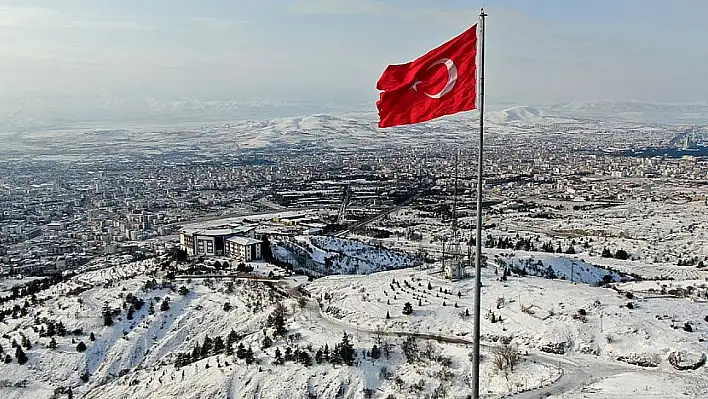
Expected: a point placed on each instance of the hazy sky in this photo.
(333, 51)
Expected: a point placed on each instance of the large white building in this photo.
(237, 243)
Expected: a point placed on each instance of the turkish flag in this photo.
(441, 82)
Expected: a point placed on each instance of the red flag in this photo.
(441, 82)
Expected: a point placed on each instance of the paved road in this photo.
(571, 377)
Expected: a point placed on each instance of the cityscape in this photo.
(353, 199)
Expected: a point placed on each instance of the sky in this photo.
(333, 51)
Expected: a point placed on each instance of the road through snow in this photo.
(572, 375)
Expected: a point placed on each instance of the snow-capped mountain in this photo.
(109, 112)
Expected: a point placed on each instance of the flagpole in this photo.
(478, 254)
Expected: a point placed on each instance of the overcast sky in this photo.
(333, 51)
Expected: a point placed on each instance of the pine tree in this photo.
(107, 317)
(197, 352)
(267, 342)
(249, 355)
(278, 357)
(26, 342)
(346, 351)
(231, 339)
(52, 343)
(375, 352)
(20, 355)
(207, 346)
(151, 308)
(388, 316)
(51, 331)
(407, 308)
(81, 347)
(165, 305)
(218, 345)
(92, 337)
(241, 351)
(277, 319)
(319, 356)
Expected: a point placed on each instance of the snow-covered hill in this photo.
(634, 111)
(325, 255)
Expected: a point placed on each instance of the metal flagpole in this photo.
(478, 255)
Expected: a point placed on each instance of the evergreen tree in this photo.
(241, 351)
(388, 316)
(92, 337)
(325, 352)
(304, 358)
(218, 345)
(207, 346)
(197, 352)
(375, 352)
(319, 356)
(249, 355)
(231, 339)
(277, 319)
(227, 306)
(20, 355)
(151, 308)
(81, 347)
(107, 317)
(26, 342)
(410, 349)
(52, 343)
(165, 305)
(51, 331)
(183, 290)
(278, 357)
(407, 308)
(267, 342)
(346, 351)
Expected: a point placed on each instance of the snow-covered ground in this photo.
(325, 255)
(136, 356)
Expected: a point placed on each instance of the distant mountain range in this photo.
(150, 112)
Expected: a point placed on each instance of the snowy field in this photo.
(591, 325)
